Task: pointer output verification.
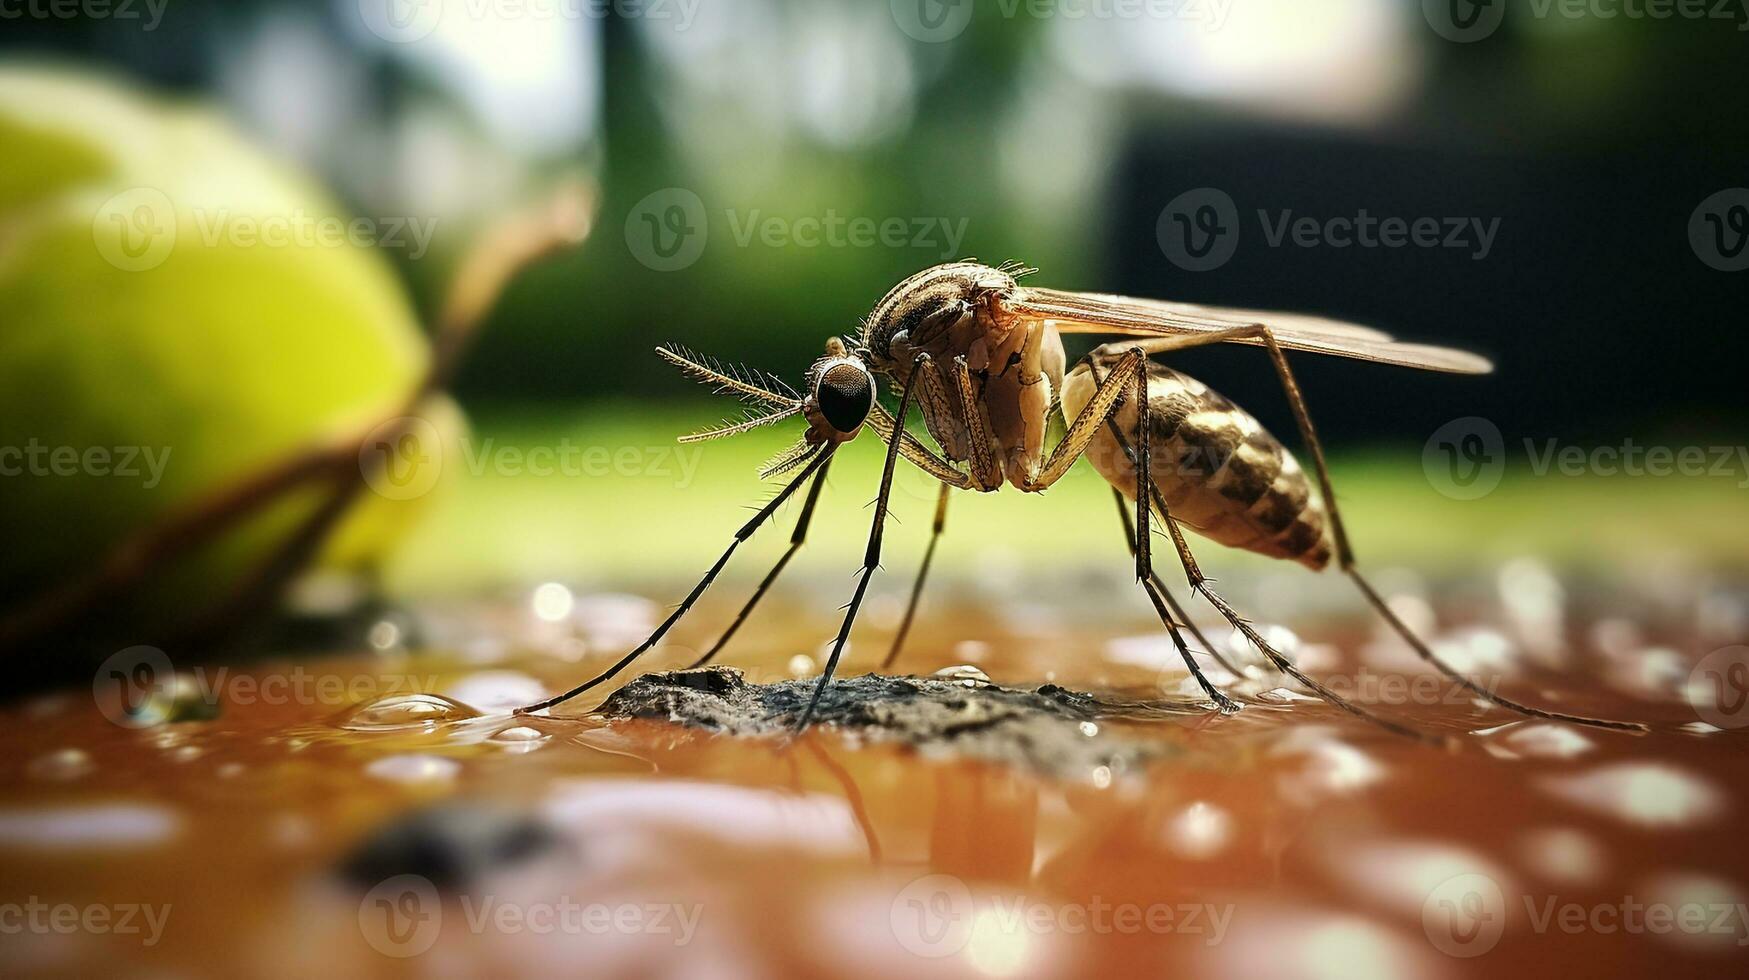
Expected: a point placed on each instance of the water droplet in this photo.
(553, 602)
(1199, 831)
(801, 665)
(1645, 793)
(497, 690)
(413, 768)
(1101, 777)
(400, 712)
(1089, 729)
(965, 674)
(1536, 740)
(1332, 767)
(65, 764)
(384, 635)
(106, 825)
(1708, 911)
(1536, 606)
(520, 739)
(611, 621)
(1564, 855)
(1401, 874)
(1150, 651)
(46, 707)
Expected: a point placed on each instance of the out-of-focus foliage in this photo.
(133, 321)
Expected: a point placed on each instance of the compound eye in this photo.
(845, 394)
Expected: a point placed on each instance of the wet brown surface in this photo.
(1287, 841)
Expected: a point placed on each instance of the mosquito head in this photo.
(840, 394)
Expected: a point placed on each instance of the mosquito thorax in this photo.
(917, 313)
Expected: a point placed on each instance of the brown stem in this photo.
(488, 267)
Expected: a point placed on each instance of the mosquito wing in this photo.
(1101, 313)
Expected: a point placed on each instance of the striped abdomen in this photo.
(1222, 474)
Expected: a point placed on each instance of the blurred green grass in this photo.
(638, 509)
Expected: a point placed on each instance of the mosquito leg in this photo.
(1339, 535)
(986, 468)
(1098, 409)
(1141, 456)
(746, 531)
(1223, 703)
(853, 796)
(1178, 614)
(795, 544)
(1200, 584)
(922, 575)
(871, 559)
(1345, 559)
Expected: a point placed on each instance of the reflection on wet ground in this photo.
(384, 813)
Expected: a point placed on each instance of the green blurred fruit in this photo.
(156, 344)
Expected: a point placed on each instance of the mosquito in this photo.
(981, 358)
